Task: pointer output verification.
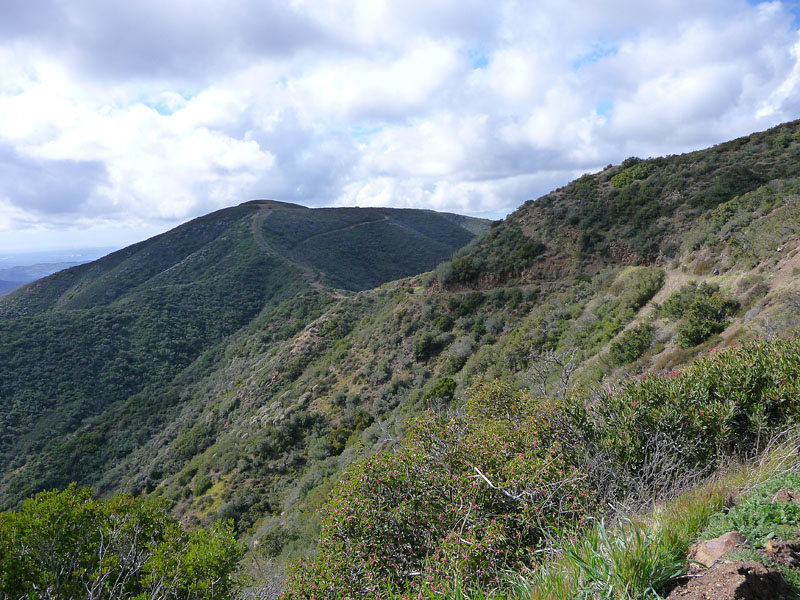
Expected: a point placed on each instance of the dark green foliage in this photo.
(429, 344)
(705, 317)
(724, 403)
(69, 545)
(677, 305)
(584, 191)
(444, 389)
(703, 309)
(631, 344)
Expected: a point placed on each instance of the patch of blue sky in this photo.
(598, 52)
(166, 106)
(362, 133)
(604, 108)
(478, 58)
(791, 6)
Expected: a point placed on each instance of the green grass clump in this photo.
(630, 562)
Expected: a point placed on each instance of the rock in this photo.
(711, 551)
(786, 495)
(738, 580)
(784, 553)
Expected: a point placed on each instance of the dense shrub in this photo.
(69, 545)
(705, 317)
(704, 311)
(445, 389)
(725, 403)
(635, 172)
(677, 305)
(462, 497)
(631, 344)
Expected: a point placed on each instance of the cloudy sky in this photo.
(119, 120)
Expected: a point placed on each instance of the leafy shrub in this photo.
(445, 388)
(69, 545)
(584, 188)
(631, 344)
(463, 497)
(425, 346)
(704, 310)
(634, 172)
(726, 402)
(677, 305)
(706, 316)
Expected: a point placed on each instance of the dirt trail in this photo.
(264, 210)
(346, 227)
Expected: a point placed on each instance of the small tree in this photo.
(68, 544)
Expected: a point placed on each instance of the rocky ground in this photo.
(715, 573)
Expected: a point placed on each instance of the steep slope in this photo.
(639, 213)
(93, 349)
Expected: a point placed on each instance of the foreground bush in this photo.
(725, 403)
(462, 497)
(70, 545)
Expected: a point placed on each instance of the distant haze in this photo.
(120, 120)
(9, 260)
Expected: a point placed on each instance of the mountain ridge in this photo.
(151, 309)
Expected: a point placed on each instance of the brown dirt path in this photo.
(313, 278)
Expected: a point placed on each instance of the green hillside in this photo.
(94, 358)
(560, 310)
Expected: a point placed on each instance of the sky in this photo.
(121, 120)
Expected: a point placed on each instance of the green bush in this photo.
(462, 498)
(445, 388)
(677, 305)
(726, 402)
(70, 545)
(631, 344)
(704, 311)
(634, 172)
(705, 317)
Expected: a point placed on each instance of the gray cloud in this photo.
(154, 39)
(48, 187)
